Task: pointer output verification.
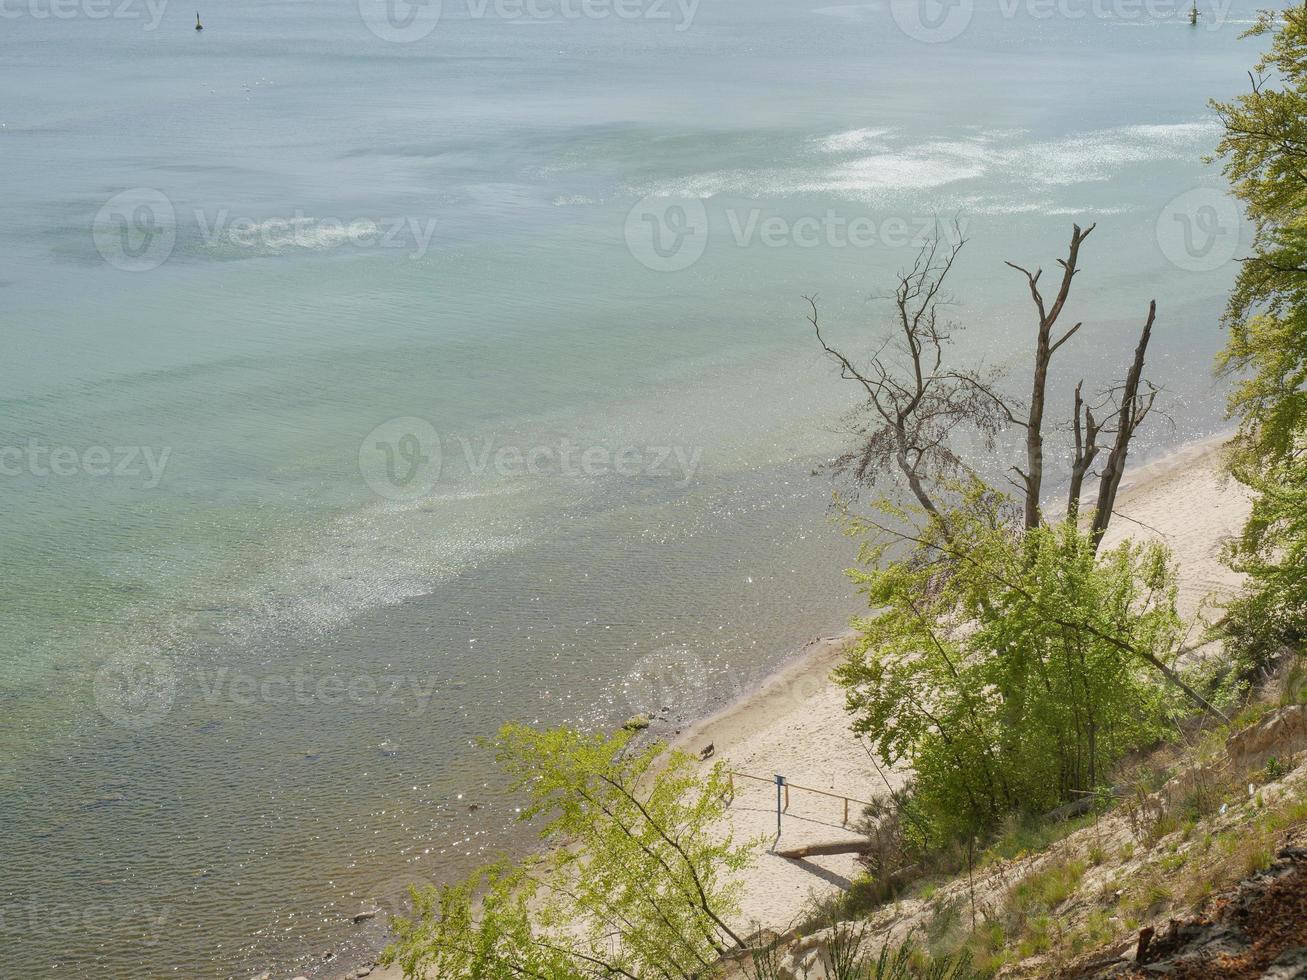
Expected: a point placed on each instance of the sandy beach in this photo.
(794, 723)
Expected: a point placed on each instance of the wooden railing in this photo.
(786, 786)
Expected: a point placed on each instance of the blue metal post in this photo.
(780, 787)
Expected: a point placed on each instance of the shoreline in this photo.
(792, 720)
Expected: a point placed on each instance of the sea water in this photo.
(372, 376)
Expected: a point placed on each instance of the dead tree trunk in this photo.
(1086, 429)
(1132, 412)
(1045, 347)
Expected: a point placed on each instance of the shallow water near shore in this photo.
(246, 653)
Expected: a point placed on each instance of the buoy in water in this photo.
(198, 25)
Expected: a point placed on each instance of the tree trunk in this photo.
(1045, 348)
(1130, 416)
(1086, 451)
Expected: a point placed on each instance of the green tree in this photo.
(1010, 668)
(639, 881)
(1265, 154)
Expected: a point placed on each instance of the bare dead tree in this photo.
(1031, 478)
(1134, 408)
(913, 401)
(1045, 347)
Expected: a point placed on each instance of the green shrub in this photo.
(637, 882)
(1010, 669)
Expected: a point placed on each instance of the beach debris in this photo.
(708, 751)
(388, 748)
(859, 846)
(636, 723)
(328, 956)
(369, 914)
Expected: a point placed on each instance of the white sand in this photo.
(795, 724)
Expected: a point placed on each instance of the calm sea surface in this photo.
(368, 381)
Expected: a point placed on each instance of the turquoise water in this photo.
(244, 663)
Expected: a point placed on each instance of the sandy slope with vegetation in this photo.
(795, 724)
(1072, 899)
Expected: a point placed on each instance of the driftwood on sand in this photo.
(828, 847)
